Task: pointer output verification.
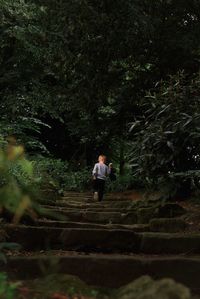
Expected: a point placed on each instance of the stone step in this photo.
(89, 199)
(165, 209)
(96, 204)
(103, 240)
(168, 225)
(100, 240)
(88, 209)
(95, 217)
(106, 199)
(164, 225)
(86, 204)
(76, 194)
(107, 196)
(160, 243)
(103, 216)
(76, 199)
(69, 224)
(92, 201)
(111, 271)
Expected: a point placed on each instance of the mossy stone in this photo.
(168, 225)
(146, 288)
(144, 215)
(169, 210)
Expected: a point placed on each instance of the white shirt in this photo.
(101, 171)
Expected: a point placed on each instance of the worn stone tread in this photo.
(91, 202)
(89, 209)
(159, 243)
(109, 270)
(69, 224)
(94, 217)
(105, 240)
(102, 239)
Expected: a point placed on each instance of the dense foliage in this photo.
(166, 146)
(18, 184)
(7, 289)
(59, 175)
(84, 68)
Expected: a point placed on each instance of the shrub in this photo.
(123, 183)
(17, 183)
(165, 149)
(50, 170)
(7, 289)
(78, 181)
(58, 173)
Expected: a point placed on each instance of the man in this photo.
(100, 173)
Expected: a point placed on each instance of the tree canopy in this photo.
(84, 67)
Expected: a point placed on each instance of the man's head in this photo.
(102, 159)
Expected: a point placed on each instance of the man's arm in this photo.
(95, 171)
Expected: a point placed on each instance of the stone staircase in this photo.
(107, 244)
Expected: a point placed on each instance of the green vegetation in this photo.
(60, 175)
(62, 284)
(7, 289)
(18, 185)
(71, 88)
(166, 147)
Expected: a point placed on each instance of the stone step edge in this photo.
(89, 209)
(48, 255)
(88, 225)
(109, 271)
(107, 227)
(103, 240)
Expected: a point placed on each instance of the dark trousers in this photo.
(99, 186)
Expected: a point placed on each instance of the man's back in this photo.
(101, 171)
